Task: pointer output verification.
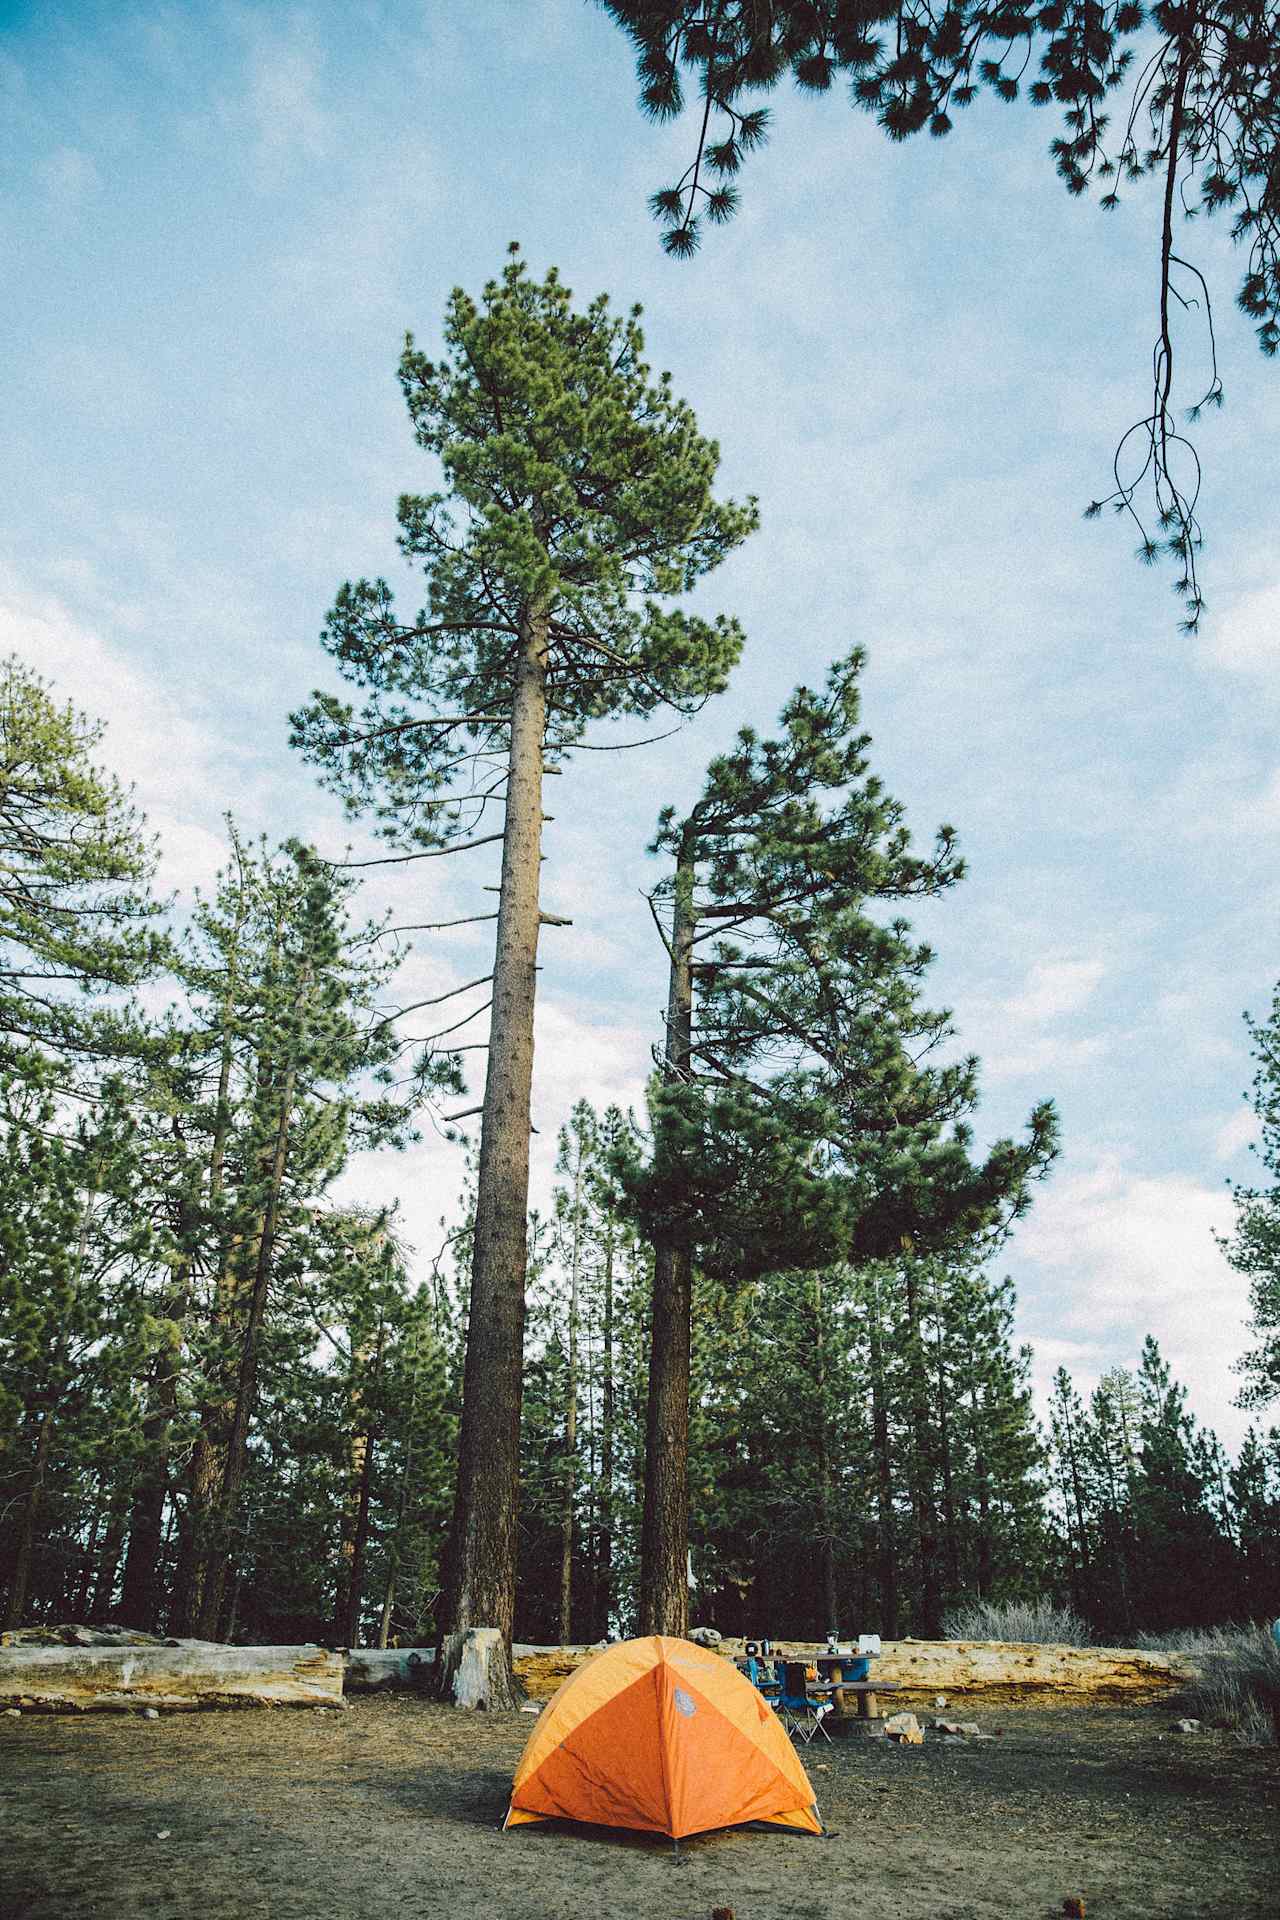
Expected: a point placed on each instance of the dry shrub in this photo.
(1239, 1685)
(1037, 1620)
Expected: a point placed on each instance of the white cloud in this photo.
(1110, 1255)
(1235, 1134)
(1027, 1032)
(1247, 637)
(1047, 1054)
(282, 78)
(1055, 988)
(151, 742)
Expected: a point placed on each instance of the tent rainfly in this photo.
(662, 1736)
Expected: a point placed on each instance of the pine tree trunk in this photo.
(88, 1557)
(983, 1565)
(20, 1578)
(109, 1557)
(247, 1380)
(604, 1560)
(359, 1552)
(482, 1554)
(664, 1537)
(140, 1601)
(571, 1420)
(195, 1538)
(1081, 1581)
(402, 1502)
(355, 1543)
(922, 1477)
(950, 1526)
(886, 1543)
(826, 1541)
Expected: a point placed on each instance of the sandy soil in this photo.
(393, 1808)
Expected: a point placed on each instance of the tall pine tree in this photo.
(577, 508)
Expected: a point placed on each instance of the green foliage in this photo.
(76, 917)
(1201, 83)
(1156, 1535)
(576, 484)
(1254, 1247)
(1204, 95)
(806, 1101)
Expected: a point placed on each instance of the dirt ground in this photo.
(393, 1808)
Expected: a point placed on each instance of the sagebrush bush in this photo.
(1038, 1620)
(1239, 1684)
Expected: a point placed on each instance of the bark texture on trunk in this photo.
(886, 1541)
(140, 1599)
(109, 1557)
(353, 1539)
(923, 1475)
(826, 1537)
(482, 1555)
(20, 1578)
(604, 1557)
(571, 1419)
(247, 1378)
(664, 1534)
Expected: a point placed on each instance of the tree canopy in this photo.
(1197, 87)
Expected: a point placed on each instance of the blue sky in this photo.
(218, 222)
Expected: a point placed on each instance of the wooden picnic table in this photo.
(831, 1681)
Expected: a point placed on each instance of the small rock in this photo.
(905, 1729)
(1186, 1726)
(531, 1706)
(149, 1713)
(940, 1700)
(947, 1726)
(970, 1727)
(706, 1637)
(164, 1833)
(13, 1713)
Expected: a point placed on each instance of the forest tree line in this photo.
(230, 1404)
(758, 1340)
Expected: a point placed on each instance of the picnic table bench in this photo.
(864, 1691)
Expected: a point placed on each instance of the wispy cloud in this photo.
(151, 742)
(1235, 1134)
(278, 104)
(1246, 638)
(1054, 989)
(1111, 1254)
(1035, 1030)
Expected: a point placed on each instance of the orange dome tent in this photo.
(660, 1735)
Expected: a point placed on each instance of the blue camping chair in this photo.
(801, 1714)
(759, 1673)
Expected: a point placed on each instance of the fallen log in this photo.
(177, 1679)
(384, 1669)
(1014, 1668)
(997, 1670)
(1027, 1669)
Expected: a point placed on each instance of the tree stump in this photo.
(475, 1671)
